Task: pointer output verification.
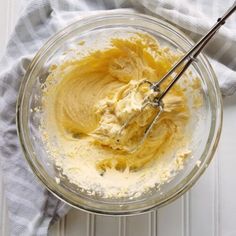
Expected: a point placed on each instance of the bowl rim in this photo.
(28, 156)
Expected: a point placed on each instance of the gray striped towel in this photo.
(31, 207)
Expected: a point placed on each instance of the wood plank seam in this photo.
(216, 208)
(90, 225)
(152, 223)
(122, 226)
(4, 218)
(186, 214)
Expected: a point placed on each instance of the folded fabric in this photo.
(31, 207)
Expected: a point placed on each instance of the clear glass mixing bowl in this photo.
(28, 122)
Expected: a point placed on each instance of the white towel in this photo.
(31, 207)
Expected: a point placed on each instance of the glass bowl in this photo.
(28, 122)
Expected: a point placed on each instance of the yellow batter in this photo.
(87, 100)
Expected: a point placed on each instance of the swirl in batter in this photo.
(87, 100)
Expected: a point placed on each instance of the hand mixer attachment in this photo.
(155, 99)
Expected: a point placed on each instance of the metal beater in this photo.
(190, 56)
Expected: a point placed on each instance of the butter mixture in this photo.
(86, 101)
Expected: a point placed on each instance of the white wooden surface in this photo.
(209, 209)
